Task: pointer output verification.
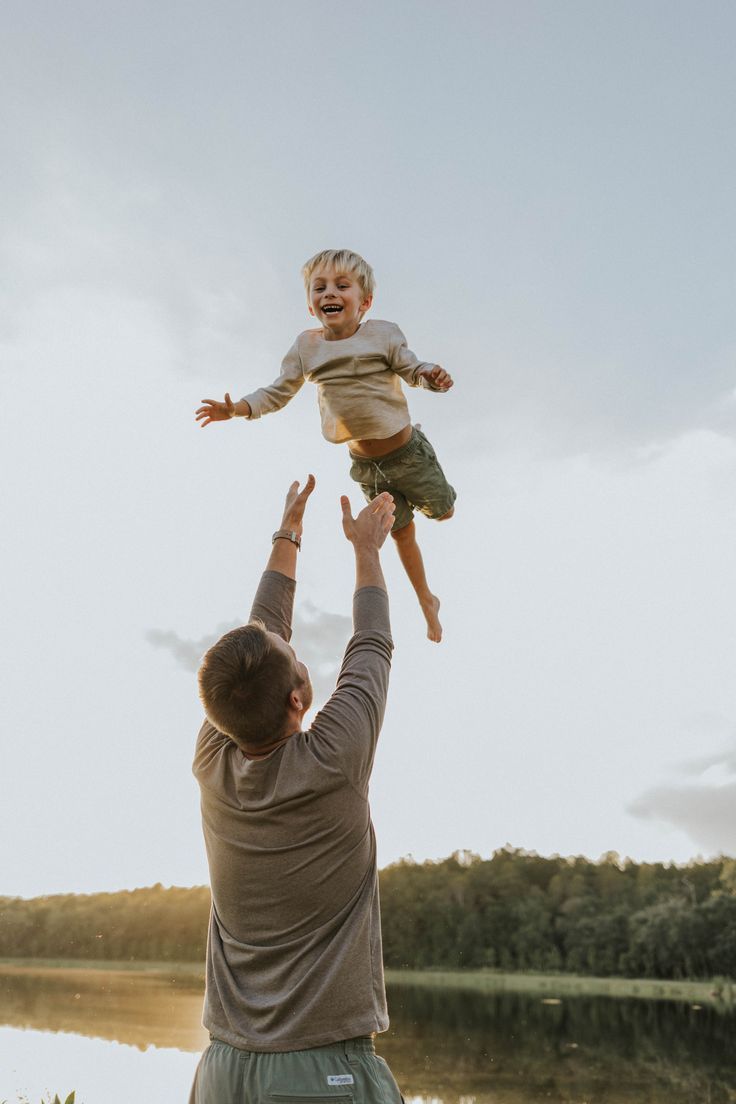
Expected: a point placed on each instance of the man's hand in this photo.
(295, 505)
(372, 525)
(283, 551)
(214, 411)
(439, 379)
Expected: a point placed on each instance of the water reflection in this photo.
(140, 1009)
(510, 1048)
(445, 1046)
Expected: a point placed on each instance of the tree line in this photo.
(521, 911)
(514, 911)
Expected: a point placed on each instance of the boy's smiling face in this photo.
(337, 301)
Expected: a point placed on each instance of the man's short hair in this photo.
(244, 685)
(342, 260)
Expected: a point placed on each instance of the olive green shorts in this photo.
(411, 474)
(343, 1073)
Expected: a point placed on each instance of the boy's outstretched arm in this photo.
(263, 401)
(415, 372)
(214, 411)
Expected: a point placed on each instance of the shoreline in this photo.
(715, 992)
(58, 967)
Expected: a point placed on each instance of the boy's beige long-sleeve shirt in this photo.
(294, 949)
(358, 381)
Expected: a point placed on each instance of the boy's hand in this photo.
(295, 505)
(437, 377)
(372, 525)
(214, 411)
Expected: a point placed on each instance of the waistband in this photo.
(364, 1044)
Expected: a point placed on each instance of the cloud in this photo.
(187, 653)
(724, 760)
(705, 813)
(704, 810)
(319, 639)
(711, 727)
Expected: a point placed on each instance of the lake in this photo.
(119, 1036)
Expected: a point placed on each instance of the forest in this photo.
(514, 911)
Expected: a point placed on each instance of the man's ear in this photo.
(295, 701)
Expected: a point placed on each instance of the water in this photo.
(116, 1037)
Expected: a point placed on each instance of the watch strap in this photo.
(287, 534)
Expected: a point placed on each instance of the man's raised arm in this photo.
(367, 533)
(346, 730)
(274, 600)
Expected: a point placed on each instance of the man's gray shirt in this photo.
(294, 956)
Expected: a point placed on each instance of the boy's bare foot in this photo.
(430, 609)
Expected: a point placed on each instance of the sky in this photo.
(545, 194)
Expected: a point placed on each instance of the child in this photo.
(358, 367)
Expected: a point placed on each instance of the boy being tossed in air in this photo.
(358, 367)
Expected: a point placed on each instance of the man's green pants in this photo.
(349, 1072)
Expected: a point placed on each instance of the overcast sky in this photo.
(545, 191)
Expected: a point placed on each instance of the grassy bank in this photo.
(718, 991)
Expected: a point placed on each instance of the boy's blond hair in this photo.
(342, 260)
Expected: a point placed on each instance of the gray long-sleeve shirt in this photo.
(358, 381)
(294, 955)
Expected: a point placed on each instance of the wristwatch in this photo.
(287, 534)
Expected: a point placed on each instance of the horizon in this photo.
(461, 855)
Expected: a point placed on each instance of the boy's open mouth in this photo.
(332, 308)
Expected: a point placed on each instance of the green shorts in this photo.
(343, 1073)
(411, 474)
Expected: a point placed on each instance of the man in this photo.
(294, 988)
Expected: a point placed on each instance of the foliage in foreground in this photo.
(514, 911)
(56, 1100)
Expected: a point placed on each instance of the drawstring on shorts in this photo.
(377, 471)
